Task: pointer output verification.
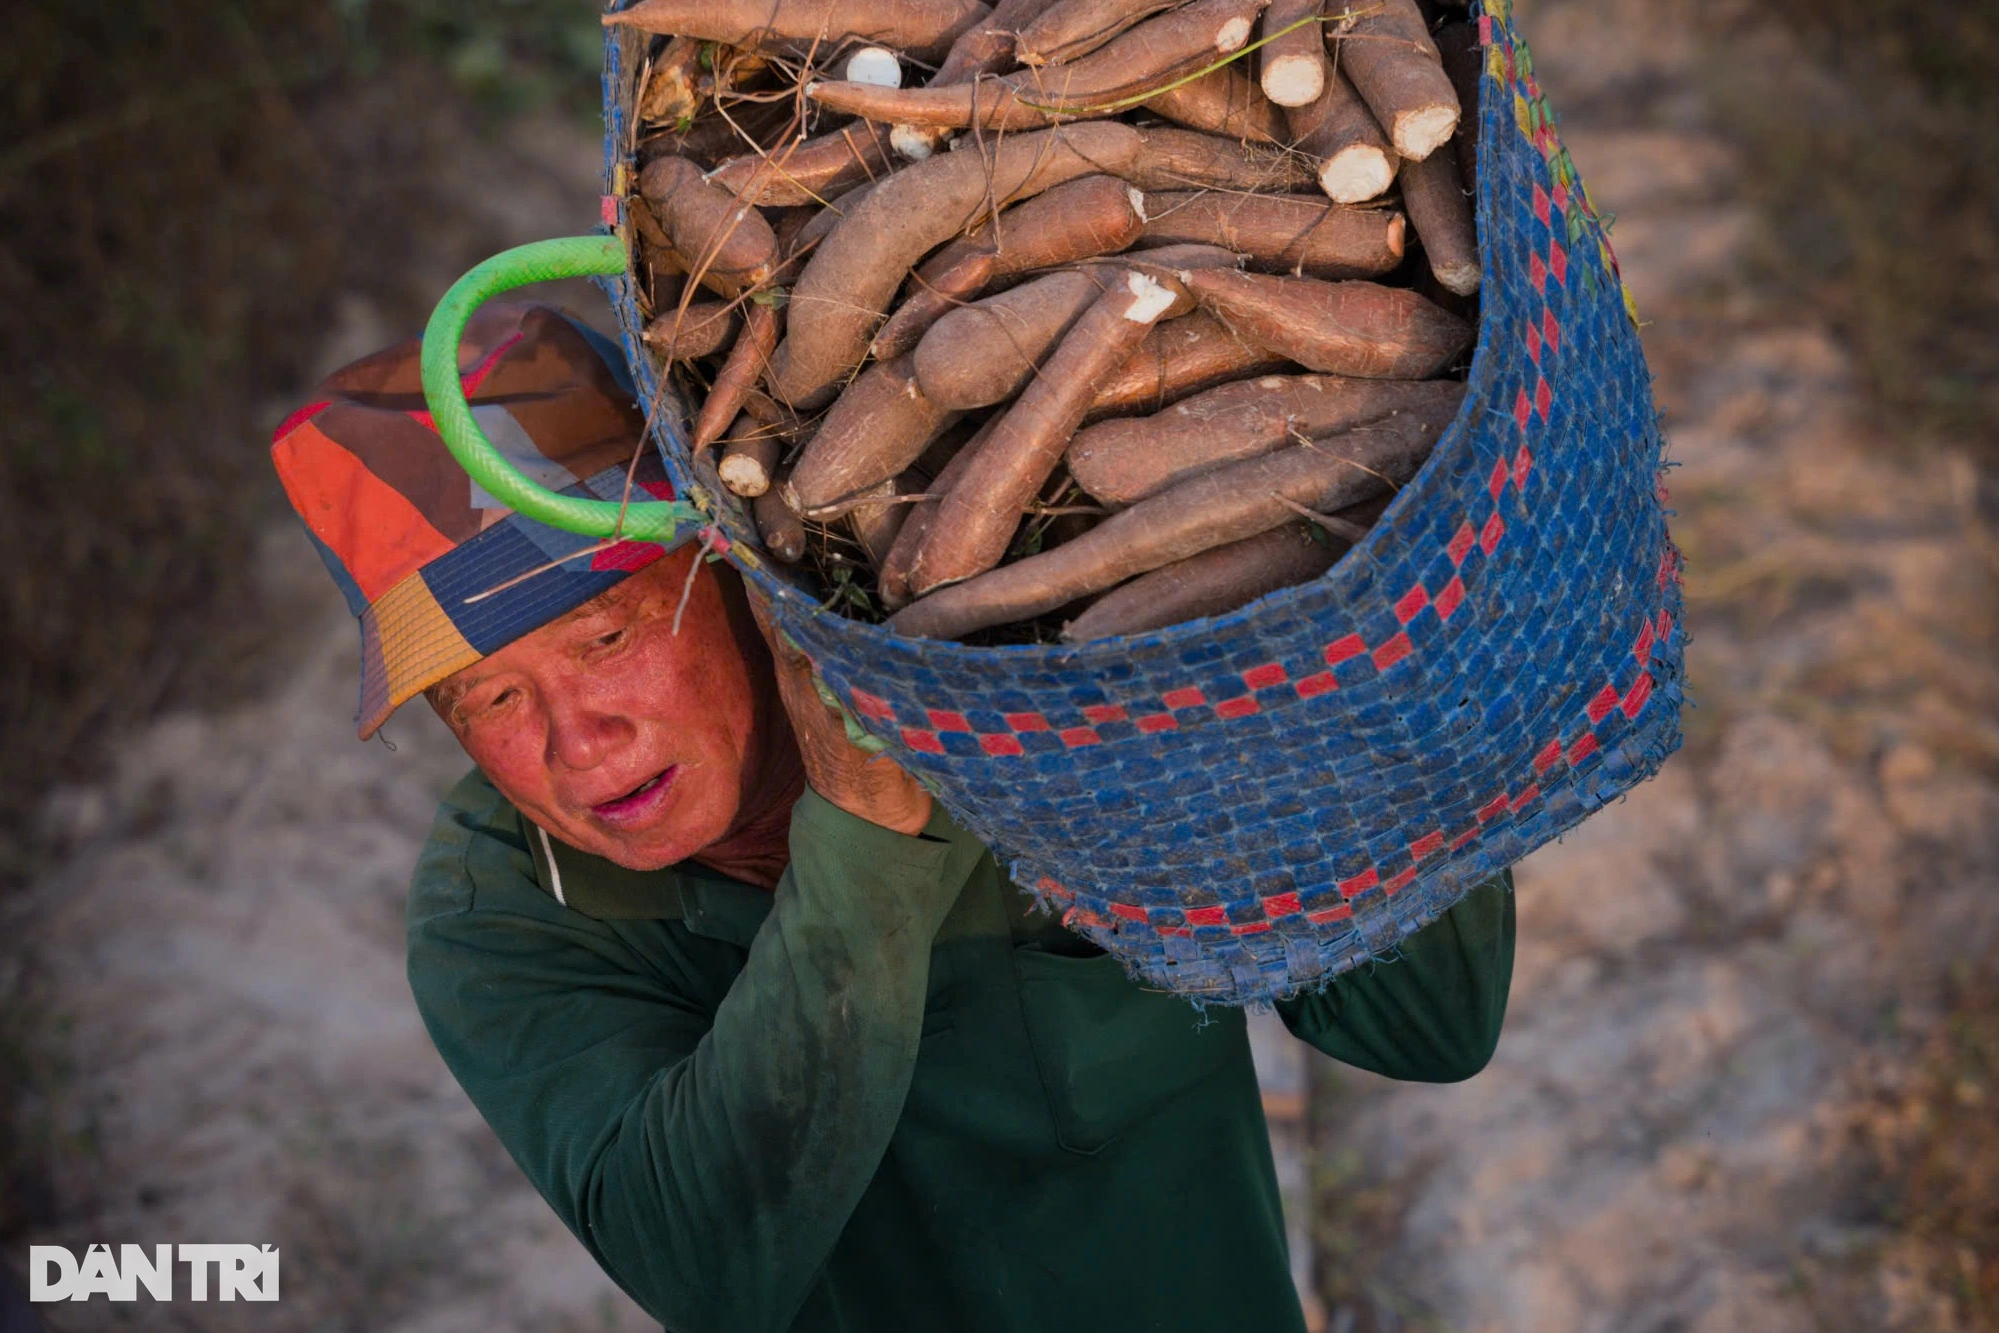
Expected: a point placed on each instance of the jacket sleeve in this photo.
(1432, 1013)
(708, 1149)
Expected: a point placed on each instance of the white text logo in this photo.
(241, 1272)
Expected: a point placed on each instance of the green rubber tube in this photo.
(540, 261)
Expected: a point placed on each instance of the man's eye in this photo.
(612, 640)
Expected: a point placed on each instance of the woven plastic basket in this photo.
(1242, 807)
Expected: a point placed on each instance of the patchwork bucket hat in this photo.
(438, 572)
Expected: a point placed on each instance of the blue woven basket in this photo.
(1242, 807)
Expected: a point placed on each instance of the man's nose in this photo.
(581, 736)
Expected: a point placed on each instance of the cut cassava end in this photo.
(892, 573)
(809, 171)
(702, 329)
(874, 430)
(1441, 212)
(1178, 159)
(1127, 459)
(901, 24)
(979, 515)
(1212, 583)
(739, 373)
(1386, 50)
(1077, 27)
(1335, 328)
(750, 453)
(1288, 233)
(1226, 505)
(1226, 102)
(1180, 357)
(983, 353)
(676, 84)
(855, 271)
(723, 241)
(1294, 52)
(1337, 129)
(1140, 62)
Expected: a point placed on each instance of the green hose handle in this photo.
(540, 261)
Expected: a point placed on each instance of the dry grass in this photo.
(185, 187)
(1925, 1153)
(1873, 140)
(1875, 163)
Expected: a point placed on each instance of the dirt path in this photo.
(1715, 975)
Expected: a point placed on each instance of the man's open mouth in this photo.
(640, 800)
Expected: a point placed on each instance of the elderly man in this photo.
(773, 1036)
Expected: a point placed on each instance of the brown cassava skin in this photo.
(1464, 63)
(875, 521)
(1294, 61)
(723, 241)
(702, 329)
(738, 375)
(930, 299)
(1335, 328)
(1089, 216)
(875, 429)
(854, 272)
(783, 532)
(750, 452)
(1180, 357)
(1440, 210)
(1386, 50)
(1175, 159)
(807, 171)
(892, 573)
(1077, 27)
(816, 228)
(1164, 266)
(1092, 215)
(979, 515)
(983, 353)
(1337, 129)
(1123, 461)
(1288, 233)
(897, 24)
(987, 47)
(1212, 583)
(1104, 83)
(1226, 505)
(1226, 102)
(676, 86)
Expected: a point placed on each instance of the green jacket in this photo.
(886, 1097)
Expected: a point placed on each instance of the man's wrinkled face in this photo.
(610, 731)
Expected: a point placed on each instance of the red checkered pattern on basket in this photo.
(1570, 749)
(925, 734)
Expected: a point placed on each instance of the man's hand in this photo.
(873, 787)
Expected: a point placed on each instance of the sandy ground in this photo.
(1713, 975)
(1716, 975)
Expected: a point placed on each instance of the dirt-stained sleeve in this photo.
(1432, 1013)
(706, 1143)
